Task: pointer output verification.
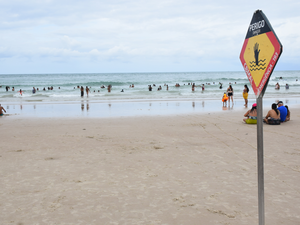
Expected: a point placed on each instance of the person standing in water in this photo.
(87, 91)
(82, 91)
(230, 93)
(21, 92)
(245, 94)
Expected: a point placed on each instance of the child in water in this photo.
(224, 99)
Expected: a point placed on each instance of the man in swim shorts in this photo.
(273, 116)
(1, 110)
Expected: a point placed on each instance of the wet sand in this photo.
(88, 108)
(198, 168)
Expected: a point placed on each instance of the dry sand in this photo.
(184, 169)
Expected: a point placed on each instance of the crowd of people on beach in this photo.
(34, 90)
(278, 114)
(87, 89)
(227, 96)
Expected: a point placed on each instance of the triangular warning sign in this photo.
(260, 52)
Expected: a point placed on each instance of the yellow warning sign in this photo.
(258, 53)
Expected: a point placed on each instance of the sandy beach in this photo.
(180, 169)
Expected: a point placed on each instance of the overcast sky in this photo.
(58, 36)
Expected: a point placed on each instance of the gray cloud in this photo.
(160, 35)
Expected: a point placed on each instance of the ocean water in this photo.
(65, 86)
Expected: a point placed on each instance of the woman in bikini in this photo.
(273, 116)
(251, 115)
(245, 94)
(230, 93)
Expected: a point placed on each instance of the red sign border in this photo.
(277, 51)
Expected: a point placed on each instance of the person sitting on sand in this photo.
(288, 116)
(251, 115)
(224, 99)
(1, 110)
(283, 111)
(273, 116)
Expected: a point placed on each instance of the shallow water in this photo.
(114, 108)
(65, 101)
(65, 86)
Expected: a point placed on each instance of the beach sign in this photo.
(260, 52)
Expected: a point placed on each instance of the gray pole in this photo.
(260, 162)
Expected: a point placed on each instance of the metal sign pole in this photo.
(260, 162)
(260, 37)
